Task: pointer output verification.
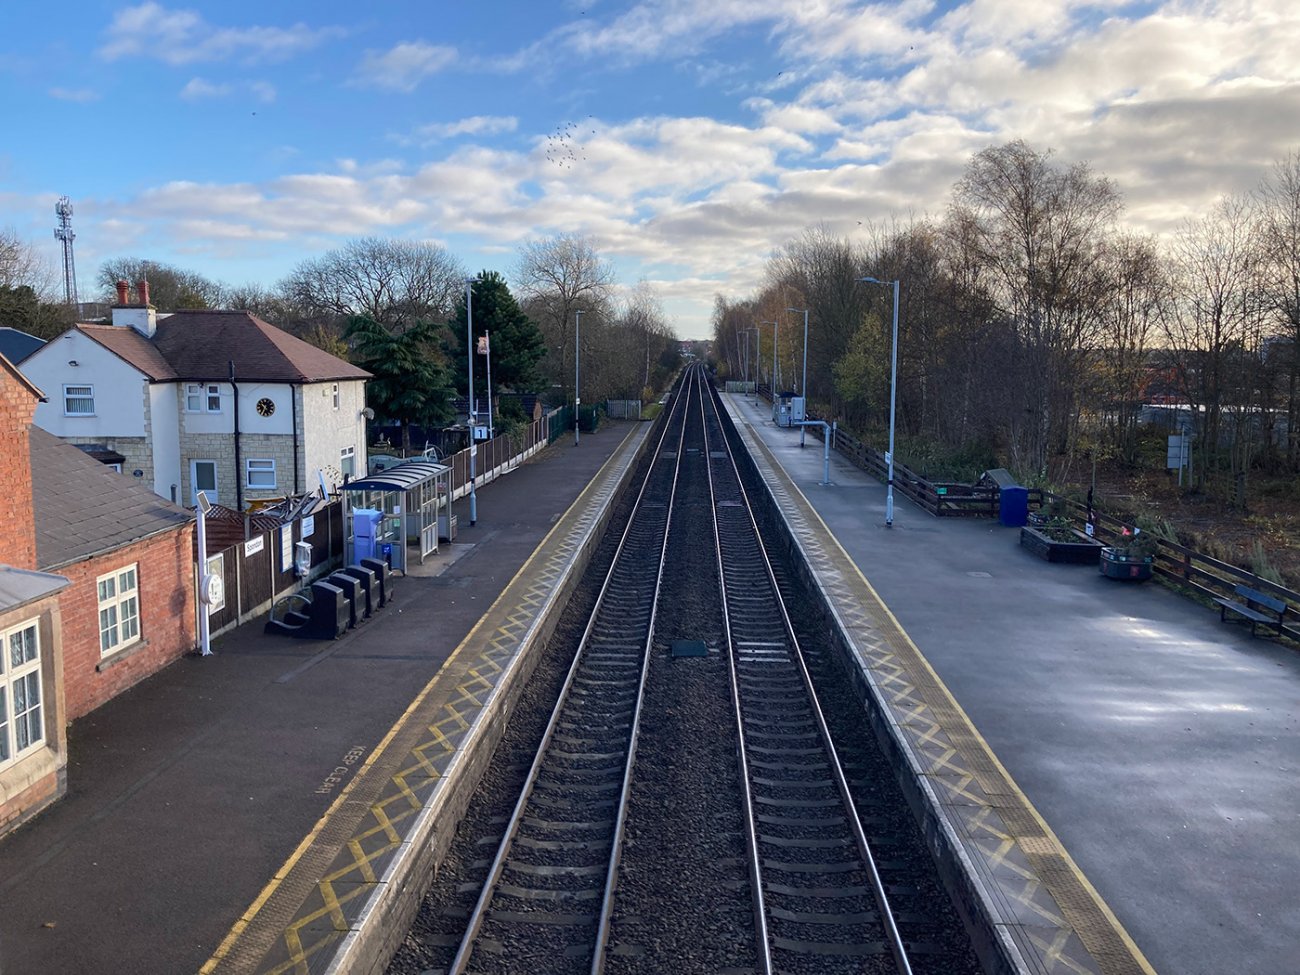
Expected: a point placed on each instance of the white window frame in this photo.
(118, 595)
(345, 455)
(262, 466)
(203, 397)
(68, 397)
(336, 396)
(30, 724)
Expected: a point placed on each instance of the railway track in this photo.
(547, 901)
(768, 848)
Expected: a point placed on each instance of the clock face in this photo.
(265, 407)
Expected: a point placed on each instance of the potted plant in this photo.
(1059, 541)
(1134, 558)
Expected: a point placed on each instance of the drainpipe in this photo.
(293, 415)
(239, 481)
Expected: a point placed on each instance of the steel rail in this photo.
(896, 944)
(474, 925)
(742, 753)
(611, 879)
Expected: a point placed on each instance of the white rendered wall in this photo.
(119, 397)
(326, 431)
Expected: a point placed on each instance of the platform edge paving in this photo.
(1031, 907)
(367, 862)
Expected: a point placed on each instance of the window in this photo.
(119, 609)
(348, 462)
(22, 725)
(260, 474)
(202, 398)
(336, 396)
(78, 400)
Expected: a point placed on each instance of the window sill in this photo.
(117, 656)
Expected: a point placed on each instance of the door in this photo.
(203, 477)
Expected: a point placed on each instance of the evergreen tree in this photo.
(516, 344)
(410, 383)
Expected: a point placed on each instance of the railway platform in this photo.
(260, 810)
(1112, 769)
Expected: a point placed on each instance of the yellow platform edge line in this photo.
(272, 885)
(1051, 836)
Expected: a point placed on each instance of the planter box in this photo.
(1115, 564)
(1082, 551)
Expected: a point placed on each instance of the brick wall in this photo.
(166, 589)
(17, 539)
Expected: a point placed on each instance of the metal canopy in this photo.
(402, 477)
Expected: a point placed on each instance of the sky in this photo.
(688, 139)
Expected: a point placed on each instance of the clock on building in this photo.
(265, 407)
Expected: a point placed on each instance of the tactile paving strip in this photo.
(328, 886)
(1033, 891)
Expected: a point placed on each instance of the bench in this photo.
(1252, 605)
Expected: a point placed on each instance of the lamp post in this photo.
(577, 359)
(776, 358)
(893, 394)
(473, 413)
(803, 383)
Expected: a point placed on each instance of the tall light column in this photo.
(577, 359)
(803, 383)
(776, 358)
(473, 413)
(893, 396)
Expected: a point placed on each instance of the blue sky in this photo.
(687, 138)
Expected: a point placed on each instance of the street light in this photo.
(473, 413)
(893, 392)
(577, 358)
(776, 358)
(803, 383)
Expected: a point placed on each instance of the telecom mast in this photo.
(63, 232)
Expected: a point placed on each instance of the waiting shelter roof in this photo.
(403, 477)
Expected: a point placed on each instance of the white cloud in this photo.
(197, 88)
(403, 66)
(176, 37)
(475, 125)
(75, 94)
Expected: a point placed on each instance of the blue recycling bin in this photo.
(1013, 505)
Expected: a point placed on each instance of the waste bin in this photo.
(1013, 505)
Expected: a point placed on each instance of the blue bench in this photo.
(1257, 607)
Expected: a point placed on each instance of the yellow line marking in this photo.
(247, 918)
(1059, 847)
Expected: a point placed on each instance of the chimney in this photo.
(142, 316)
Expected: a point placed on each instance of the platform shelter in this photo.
(396, 508)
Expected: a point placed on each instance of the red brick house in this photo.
(128, 556)
(33, 743)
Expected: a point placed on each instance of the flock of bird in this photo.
(563, 148)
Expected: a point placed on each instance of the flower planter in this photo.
(1082, 550)
(1117, 564)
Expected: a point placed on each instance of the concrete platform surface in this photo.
(193, 794)
(1161, 746)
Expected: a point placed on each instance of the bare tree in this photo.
(1040, 230)
(555, 278)
(1214, 328)
(1278, 199)
(22, 266)
(171, 288)
(395, 283)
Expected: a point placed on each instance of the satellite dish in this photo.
(368, 413)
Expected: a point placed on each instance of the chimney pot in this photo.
(143, 289)
(123, 292)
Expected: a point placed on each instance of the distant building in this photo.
(218, 401)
